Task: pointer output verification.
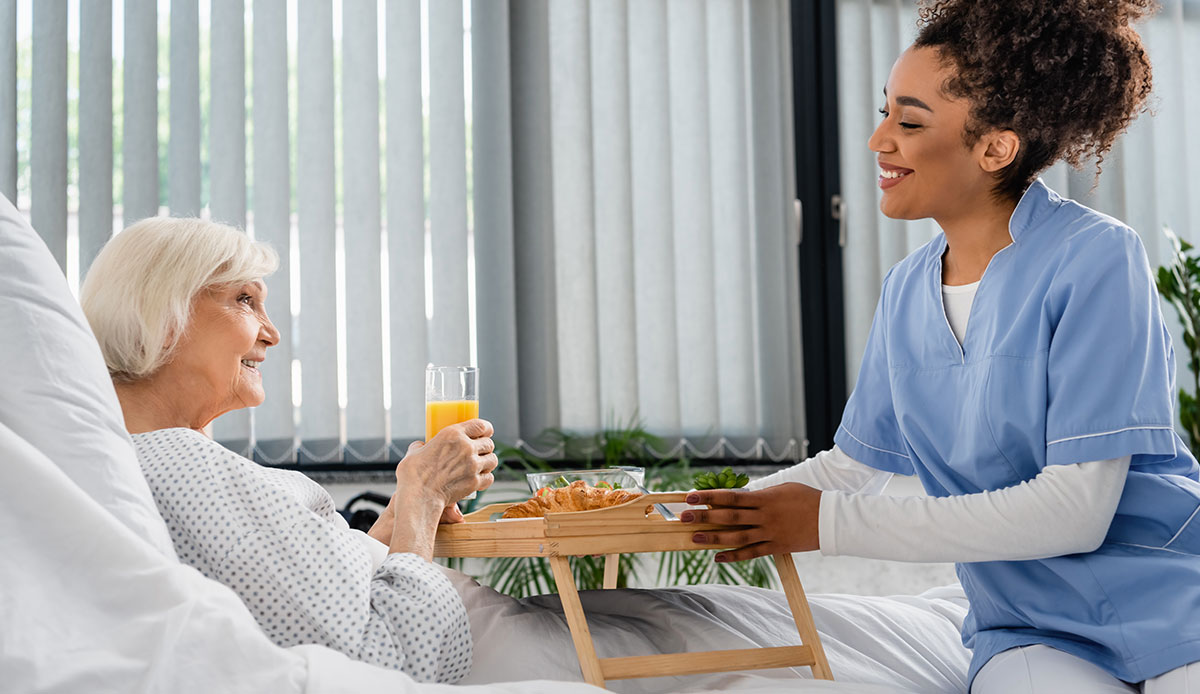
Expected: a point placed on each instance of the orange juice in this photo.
(441, 414)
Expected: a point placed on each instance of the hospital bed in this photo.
(93, 598)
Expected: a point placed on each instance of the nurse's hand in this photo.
(779, 520)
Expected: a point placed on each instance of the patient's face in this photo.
(215, 363)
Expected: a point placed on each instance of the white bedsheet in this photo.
(906, 643)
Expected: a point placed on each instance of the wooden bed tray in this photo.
(611, 532)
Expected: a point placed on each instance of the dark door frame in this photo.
(822, 320)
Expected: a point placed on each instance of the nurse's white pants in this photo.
(1043, 670)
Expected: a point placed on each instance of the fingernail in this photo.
(699, 538)
(693, 498)
(686, 516)
(721, 559)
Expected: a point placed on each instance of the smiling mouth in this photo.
(892, 177)
(250, 364)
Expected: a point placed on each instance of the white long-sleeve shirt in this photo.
(1065, 509)
(275, 538)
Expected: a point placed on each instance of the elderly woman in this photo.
(179, 309)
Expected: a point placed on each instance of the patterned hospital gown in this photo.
(275, 538)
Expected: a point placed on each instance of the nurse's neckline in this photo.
(960, 288)
(1027, 214)
(958, 348)
(953, 275)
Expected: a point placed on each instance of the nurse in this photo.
(1018, 364)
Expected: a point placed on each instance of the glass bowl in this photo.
(625, 477)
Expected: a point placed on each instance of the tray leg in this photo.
(589, 664)
(611, 562)
(802, 614)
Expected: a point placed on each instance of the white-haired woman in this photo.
(178, 306)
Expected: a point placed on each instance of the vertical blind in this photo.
(656, 265)
(590, 199)
(1149, 179)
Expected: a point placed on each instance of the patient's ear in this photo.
(999, 149)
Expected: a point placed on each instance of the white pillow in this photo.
(89, 607)
(56, 392)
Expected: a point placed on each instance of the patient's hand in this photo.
(451, 465)
(435, 475)
(780, 519)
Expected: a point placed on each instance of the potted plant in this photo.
(1179, 284)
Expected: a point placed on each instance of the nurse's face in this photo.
(926, 168)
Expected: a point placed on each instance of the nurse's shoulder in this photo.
(1088, 242)
(1085, 231)
(1090, 255)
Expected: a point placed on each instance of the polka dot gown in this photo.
(275, 538)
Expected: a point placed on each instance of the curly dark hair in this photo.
(1067, 76)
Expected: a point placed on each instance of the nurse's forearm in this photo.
(831, 470)
(1066, 509)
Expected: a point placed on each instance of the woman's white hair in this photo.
(138, 293)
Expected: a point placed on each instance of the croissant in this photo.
(578, 496)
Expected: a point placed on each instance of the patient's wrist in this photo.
(416, 511)
(381, 529)
(416, 498)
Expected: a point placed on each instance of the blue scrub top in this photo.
(1066, 359)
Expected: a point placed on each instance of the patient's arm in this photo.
(414, 526)
(274, 537)
(830, 470)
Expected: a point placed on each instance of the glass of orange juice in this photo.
(451, 396)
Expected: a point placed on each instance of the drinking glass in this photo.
(451, 396)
